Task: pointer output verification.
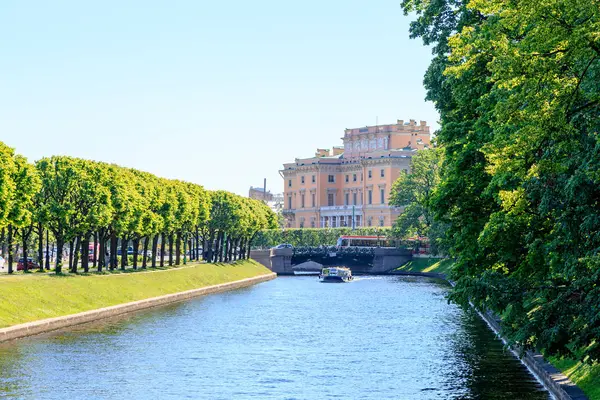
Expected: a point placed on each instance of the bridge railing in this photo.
(323, 251)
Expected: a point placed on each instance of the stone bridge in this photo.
(372, 260)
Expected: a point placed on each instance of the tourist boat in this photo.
(335, 274)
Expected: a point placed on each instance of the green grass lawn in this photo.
(587, 377)
(436, 265)
(30, 297)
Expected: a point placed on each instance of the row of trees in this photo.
(516, 85)
(74, 202)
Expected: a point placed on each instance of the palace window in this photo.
(331, 179)
(290, 202)
(313, 179)
(347, 178)
(353, 177)
(382, 173)
(347, 199)
(370, 197)
(382, 195)
(289, 183)
(302, 179)
(330, 200)
(381, 221)
(370, 174)
(354, 198)
(302, 200)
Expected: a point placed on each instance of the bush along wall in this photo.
(311, 237)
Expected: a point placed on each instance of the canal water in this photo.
(291, 338)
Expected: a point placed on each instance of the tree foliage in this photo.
(516, 84)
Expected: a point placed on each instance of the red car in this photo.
(30, 264)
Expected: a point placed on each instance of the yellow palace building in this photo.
(350, 185)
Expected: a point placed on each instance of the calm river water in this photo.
(291, 338)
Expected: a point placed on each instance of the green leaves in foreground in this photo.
(516, 84)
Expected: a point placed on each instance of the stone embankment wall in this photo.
(261, 256)
(555, 381)
(51, 324)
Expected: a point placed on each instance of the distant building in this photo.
(258, 193)
(350, 185)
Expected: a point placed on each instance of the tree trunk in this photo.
(124, 255)
(227, 248)
(162, 250)
(154, 250)
(76, 254)
(3, 242)
(208, 247)
(10, 249)
(47, 250)
(219, 247)
(220, 252)
(40, 247)
(102, 250)
(145, 252)
(113, 251)
(197, 245)
(95, 256)
(240, 250)
(71, 245)
(215, 250)
(136, 243)
(24, 237)
(178, 248)
(85, 252)
(170, 249)
(185, 249)
(60, 243)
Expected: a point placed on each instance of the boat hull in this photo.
(334, 279)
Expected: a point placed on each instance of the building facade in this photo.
(350, 184)
(258, 193)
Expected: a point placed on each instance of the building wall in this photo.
(387, 147)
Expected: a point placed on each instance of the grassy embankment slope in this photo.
(31, 297)
(431, 265)
(587, 377)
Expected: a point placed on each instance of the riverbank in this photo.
(586, 377)
(33, 297)
(432, 265)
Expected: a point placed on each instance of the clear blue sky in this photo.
(219, 93)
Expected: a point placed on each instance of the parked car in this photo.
(129, 251)
(30, 264)
(284, 246)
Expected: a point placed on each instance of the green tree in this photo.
(414, 192)
(27, 185)
(517, 91)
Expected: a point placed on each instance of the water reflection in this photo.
(374, 338)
